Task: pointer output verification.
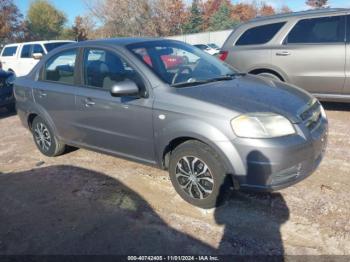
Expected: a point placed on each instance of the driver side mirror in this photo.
(37, 56)
(125, 88)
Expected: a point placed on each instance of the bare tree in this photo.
(285, 9)
(83, 28)
(123, 17)
(244, 12)
(169, 16)
(317, 3)
(10, 21)
(266, 10)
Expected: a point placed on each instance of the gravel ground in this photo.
(88, 203)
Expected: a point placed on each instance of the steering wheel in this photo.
(180, 71)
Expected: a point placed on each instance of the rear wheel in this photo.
(197, 174)
(45, 139)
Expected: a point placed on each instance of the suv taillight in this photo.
(223, 55)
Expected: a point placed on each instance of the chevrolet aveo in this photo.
(210, 126)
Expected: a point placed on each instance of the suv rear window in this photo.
(318, 30)
(9, 51)
(25, 53)
(260, 34)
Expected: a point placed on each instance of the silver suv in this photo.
(201, 120)
(308, 49)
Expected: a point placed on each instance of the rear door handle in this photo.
(88, 102)
(283, 53)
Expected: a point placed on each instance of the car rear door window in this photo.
(259, 35)
(38, 49)
(9, 51)
(318, 30)
(61, 67)
(25, 53)
(103, 69)
(348, 28)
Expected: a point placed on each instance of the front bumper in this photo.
(6, 98)
(273, 164)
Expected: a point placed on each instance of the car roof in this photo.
(303, 14)
(40, 42)
(121, 41)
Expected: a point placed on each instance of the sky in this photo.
(72, 8)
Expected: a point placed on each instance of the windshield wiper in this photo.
(215, 79)
(236, 74)
(193, 83)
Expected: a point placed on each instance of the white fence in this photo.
(217, 37)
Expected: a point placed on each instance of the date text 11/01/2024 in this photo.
(173, 258)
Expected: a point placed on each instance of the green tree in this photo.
(221, 19)
(44, 20)
(195, 20)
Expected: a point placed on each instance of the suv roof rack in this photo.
(300, 13)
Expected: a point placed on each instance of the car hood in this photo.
(249, 94)
(5, 74)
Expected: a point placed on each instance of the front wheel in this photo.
(197, 174)
(45, 139)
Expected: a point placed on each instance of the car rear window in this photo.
(9, 51)
(348, 28)
(38, 49)
(260, 34)
(25, 53)
(318, 30)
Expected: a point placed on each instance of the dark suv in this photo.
(6, 90)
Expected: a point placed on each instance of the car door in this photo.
(9, 58)
(120, 125)
(347, 68)
(54, 92)
(313, 54)
(26, 62)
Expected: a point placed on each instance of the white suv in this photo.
(22, 57)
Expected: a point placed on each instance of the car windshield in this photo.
(213, 46)
(180, 64)
(50, 46)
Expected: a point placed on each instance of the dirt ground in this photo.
(88, 203)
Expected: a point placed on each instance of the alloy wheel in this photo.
(194, 177)
(42, 137)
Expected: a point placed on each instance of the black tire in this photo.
(55, 147)
(191, 150)
(270, 76)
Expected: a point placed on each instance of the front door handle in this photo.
(88, 102)
(42, 94)
(283, 53)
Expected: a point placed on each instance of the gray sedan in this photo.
(143, 99)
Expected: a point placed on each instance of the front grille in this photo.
(311, 116)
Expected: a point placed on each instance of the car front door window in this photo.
(104, 69)
(61, 67)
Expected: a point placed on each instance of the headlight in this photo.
(10, 80)
(262, 125)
